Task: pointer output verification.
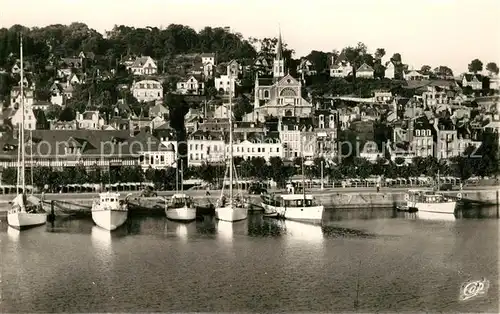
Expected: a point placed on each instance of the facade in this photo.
(191, 85)
(364, 71)
(233, 68)
(15, 96)
(158, 110)
(69, 148)
(205, 147)
(143, 66)
(89, 120)
(414, 75)
(266, 149)
(390, 70)
(147, 90)
(475, 81)
(340, 70)
(29, 118)
(280, 95)
(326, 132)
(224, 84)
(423, 142)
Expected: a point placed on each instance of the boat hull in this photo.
(109, 219)
(231, 213)
(305, 214)
(23, 220)
(269, 211)
(439, 208)
(181, 214)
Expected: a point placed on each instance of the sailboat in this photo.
(293, 206)
(232, 209)
(26, 211)
(181, 206)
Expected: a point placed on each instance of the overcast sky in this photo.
(434, 32)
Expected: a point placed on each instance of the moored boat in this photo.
(429, 201)
(26, 210)
(234, 208)
(109, 212)
(181, 207)
(299, 207)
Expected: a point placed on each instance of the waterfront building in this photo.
(205, 147)
(69, 148)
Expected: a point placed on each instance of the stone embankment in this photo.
(81, 203)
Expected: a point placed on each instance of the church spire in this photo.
(279, 47)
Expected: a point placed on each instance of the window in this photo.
(418, 132)
(266, 94)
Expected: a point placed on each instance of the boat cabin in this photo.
(425, 196)
(180, 200)
(292, 200)
(109, 198)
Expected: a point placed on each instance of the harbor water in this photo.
(359, 260)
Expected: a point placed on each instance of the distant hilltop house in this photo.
(144, 65)
(342, 69)
(147, 90)
(475, 81)
(364, 71)
(413, 75)
(306, 67)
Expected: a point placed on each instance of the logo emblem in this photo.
(473, 289)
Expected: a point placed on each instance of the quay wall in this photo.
(328, 198)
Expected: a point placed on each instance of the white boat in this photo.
(429, 201)
(299, 207)
(26, 210)
(181, 207)
(109, 212)
(233, 208)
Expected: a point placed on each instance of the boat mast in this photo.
(303, 174)
(177, 176)
(23, 166)
(230, 138)
(182, 175)
(31, 160)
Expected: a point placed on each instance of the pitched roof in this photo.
(365, 68)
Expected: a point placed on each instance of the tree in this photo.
(9, 176)
(492, 68)
(475, 66)
(241, 107)
(53, 112)
(396, 58)
(443, 71)
(319, 59)
(67, 114)
(425, 69)
(379, 53)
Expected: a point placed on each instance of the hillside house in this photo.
(147, 90)
(191, 85)
(144, 65)
(364, 71)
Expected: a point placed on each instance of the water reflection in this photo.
(435, 216)
(181, 230)
(13, 234)
(260, 226)
(101, 239)
(226, 231)
(299, 231)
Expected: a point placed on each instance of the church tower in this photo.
(279, 61)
